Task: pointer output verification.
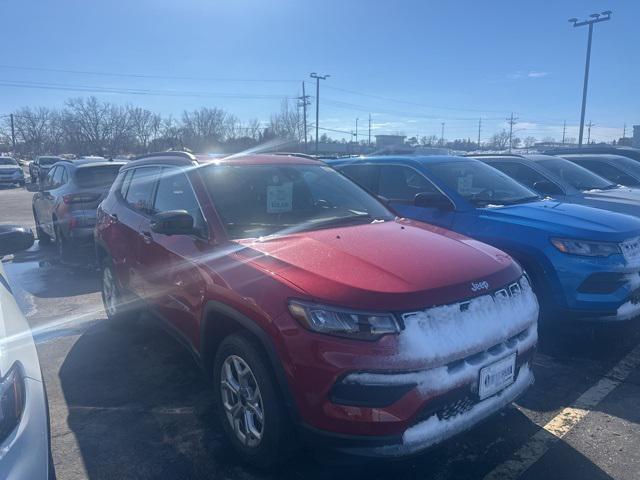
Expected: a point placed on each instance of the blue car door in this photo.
(400, 184)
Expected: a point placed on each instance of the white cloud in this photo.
(534, 74)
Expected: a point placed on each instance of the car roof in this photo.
(188, 159)
(89, 163)
(400, 159)
(595, 156)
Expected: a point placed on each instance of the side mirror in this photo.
(173, 222)
(432, 200)
(545, 187)
(14, 238)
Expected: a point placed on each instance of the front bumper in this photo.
(373, 399)
(612, 296)
(24, 455)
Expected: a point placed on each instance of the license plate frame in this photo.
(496, 376)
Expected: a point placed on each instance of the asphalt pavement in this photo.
(133, 405)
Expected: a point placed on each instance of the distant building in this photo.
(383, 141)
(636, 136)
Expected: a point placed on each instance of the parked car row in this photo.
(378, 305)
(11, 172)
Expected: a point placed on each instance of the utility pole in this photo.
(442, 135)
(13, 134)
(564, 130)
(369, 129)
(594, 18)
(589, 125)
(357, 130)
(303, 101)
(479, 130)
(624, 131)
(318, 78)
(512, 121)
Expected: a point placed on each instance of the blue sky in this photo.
(411, 64)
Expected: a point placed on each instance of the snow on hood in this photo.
(441, 334)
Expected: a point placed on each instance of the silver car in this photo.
(24, 415)
(565, 181)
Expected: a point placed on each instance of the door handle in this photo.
(146, 237)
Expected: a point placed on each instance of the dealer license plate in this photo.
(497, 376)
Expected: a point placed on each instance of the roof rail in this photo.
(169, 153)
(294, 154)
(494, 155)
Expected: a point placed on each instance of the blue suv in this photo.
(584, 262)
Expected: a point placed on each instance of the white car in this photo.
(24, 415)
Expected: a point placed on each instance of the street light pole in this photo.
(318, 78)
(594, 18)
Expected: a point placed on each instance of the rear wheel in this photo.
(63, 245)
(122, 310)
(249, 406)
(43, 238)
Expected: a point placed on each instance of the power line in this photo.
(134, 91)
(143, 75)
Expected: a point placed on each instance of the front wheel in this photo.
(249, 405)
(122, 311)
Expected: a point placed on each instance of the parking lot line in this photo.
(565, 421)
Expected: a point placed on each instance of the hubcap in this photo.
(242, 401)
(109, 293)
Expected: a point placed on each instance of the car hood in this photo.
(395, 265)
(567, 219)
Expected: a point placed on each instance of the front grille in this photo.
(505, 292)
(602, 282)
(456, 408)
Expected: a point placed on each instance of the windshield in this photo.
(97, 176)
(631, 166)
(7, 161)
(260, 200)
(48, 160)
(481, 184)
(575, 175)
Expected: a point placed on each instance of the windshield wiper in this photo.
(335, 221)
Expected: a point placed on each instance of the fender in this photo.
(212, 307)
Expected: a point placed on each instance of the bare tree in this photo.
(530, 141)
(499, 140)
(430, 140)
(145, 126)
(203, 129)
(32, 127)
(287, 123)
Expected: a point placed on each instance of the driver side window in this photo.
(527, 176)
(402, 184)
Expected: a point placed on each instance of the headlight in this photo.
(12, 399)
(343, 322)
(583, 247)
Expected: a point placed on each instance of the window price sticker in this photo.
(280, 198)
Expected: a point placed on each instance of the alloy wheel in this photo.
(242, 401)
(109, 292)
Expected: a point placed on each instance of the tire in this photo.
(122, 309)
(275, 444)
(43, 238)
(63, 246)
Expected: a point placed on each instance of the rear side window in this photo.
(609, 172)
(140, 192)
(98, 176)
(403, 183)
(49, 183)
(525, 175)
(56, 180)
(175, 193)
(364, 175)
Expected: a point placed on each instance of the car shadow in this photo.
(139, 407)
(40, 274)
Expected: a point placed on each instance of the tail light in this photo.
(80, 198)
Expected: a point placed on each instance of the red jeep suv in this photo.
(316, 312)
